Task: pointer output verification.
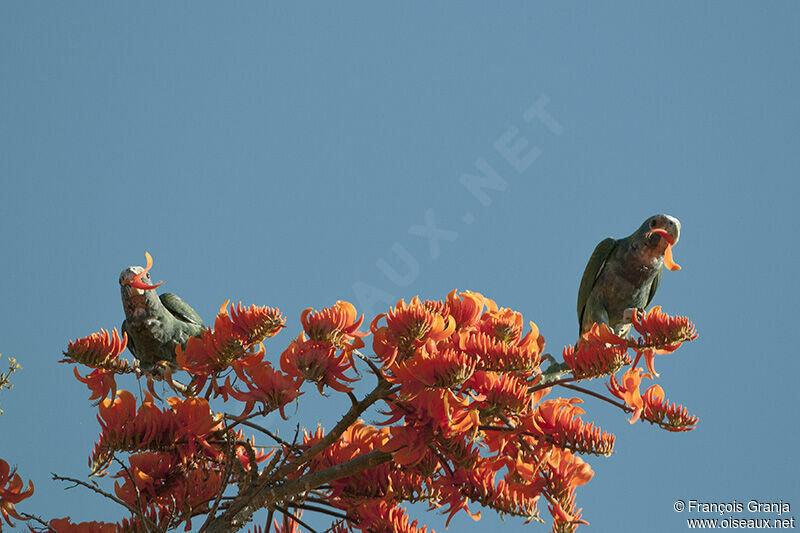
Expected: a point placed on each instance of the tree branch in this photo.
(256, 497)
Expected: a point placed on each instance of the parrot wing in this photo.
(593, 269)
(180, 309)
(123, 330)
(654, 287)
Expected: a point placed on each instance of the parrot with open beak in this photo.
(155, 324)
(623, 274)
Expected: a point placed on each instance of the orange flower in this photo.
(594, 359)
(137, 279)
(565, 520)
(409, 444)
(670, 417)
(267, 386)
(383, 517)
(11, 493)
(463, 485)
(557, 422)
(466, 307)
(668, 261)
(183, 428)
(318, 362)
(255, 324)
(100, 382)
(163, 480)
(503, 393)
(567, 471)
(98, 350)
(661, 331)
(337, 324)
(627, 390)
(359, 438)
(242, 454)
(232, 342)
(447, 368)
(65, 525)
(496, 355)
(503, 324)
(602, 334)
(407, 328)
(435, 410)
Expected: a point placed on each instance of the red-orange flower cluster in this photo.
(445, 369)
(593, 359)
(233, 335)
(464, 396)
(662, 332)
(127, 525)
(98, 350)
(673, 417)
(11, 493)
(266, 386)
(407, 328)
(383, 517)
(504, 393)
(101, 382)
(164, 481)
(627, 390)
(557, 422)
(651, 405)
(318, 362)
(232, 343)
(325, 356)
(184, 428)
(336, 324)
(478, 484)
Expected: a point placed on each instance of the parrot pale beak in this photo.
(668, 261)
(137, 282)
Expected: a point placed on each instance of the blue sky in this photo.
(288, 156)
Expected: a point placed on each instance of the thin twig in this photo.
(442, 460)
(377, 371)
(100, 491)
(30, 517)
(140, 508)
(287, 514)
(322, 510)
(353, 399)
(598, 396)
(229, 459)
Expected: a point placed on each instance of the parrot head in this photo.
(135, 279)
(660, 233)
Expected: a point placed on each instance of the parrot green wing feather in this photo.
(180, 309)
(654, 287)
(123, 330)
(593, 269)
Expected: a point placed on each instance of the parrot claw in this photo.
(548, 357)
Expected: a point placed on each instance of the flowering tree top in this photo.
(468, 420)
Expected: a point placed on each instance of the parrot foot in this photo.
(627, 315)
(554, 372)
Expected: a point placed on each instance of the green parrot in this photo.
(155, 324)
(623, 274)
